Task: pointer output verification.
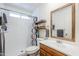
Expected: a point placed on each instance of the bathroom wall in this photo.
(18, 35)
(77, 24)
(43, 12)
(14, 8)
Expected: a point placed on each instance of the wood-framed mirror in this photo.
(63, 22)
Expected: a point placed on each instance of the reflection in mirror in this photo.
(63, 22)
(43, 33)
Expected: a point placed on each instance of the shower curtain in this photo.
(18, 34)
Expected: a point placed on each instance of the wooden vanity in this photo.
(47, 51)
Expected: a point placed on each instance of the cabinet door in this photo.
(44, 53)
(48, 54)
(47, 51)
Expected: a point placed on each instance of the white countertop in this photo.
(65, 48)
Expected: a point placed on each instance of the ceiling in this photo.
(27, 6)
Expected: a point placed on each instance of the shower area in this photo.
(15, 32)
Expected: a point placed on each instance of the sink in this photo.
(53, 43)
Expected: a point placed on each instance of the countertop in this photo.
(68, 49)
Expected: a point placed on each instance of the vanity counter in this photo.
(68, 49)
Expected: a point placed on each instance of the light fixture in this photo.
(14, 15)
(25, 17)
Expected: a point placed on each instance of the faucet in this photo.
(58, 41)
(46, 38)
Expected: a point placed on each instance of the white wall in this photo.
(14, 8)
(77, 25)
(43, 12)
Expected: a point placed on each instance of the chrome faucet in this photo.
(58, 41)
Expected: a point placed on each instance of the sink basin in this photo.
(53, 43)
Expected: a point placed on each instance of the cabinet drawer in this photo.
(51, 51)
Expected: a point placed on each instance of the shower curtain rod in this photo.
(17, 12)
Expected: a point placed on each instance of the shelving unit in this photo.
(40, 27)
(40, 24)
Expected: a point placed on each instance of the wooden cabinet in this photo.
(47, 51)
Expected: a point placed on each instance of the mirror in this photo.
(63, 22)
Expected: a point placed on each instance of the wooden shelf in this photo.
(41, 27)
(39, 22)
